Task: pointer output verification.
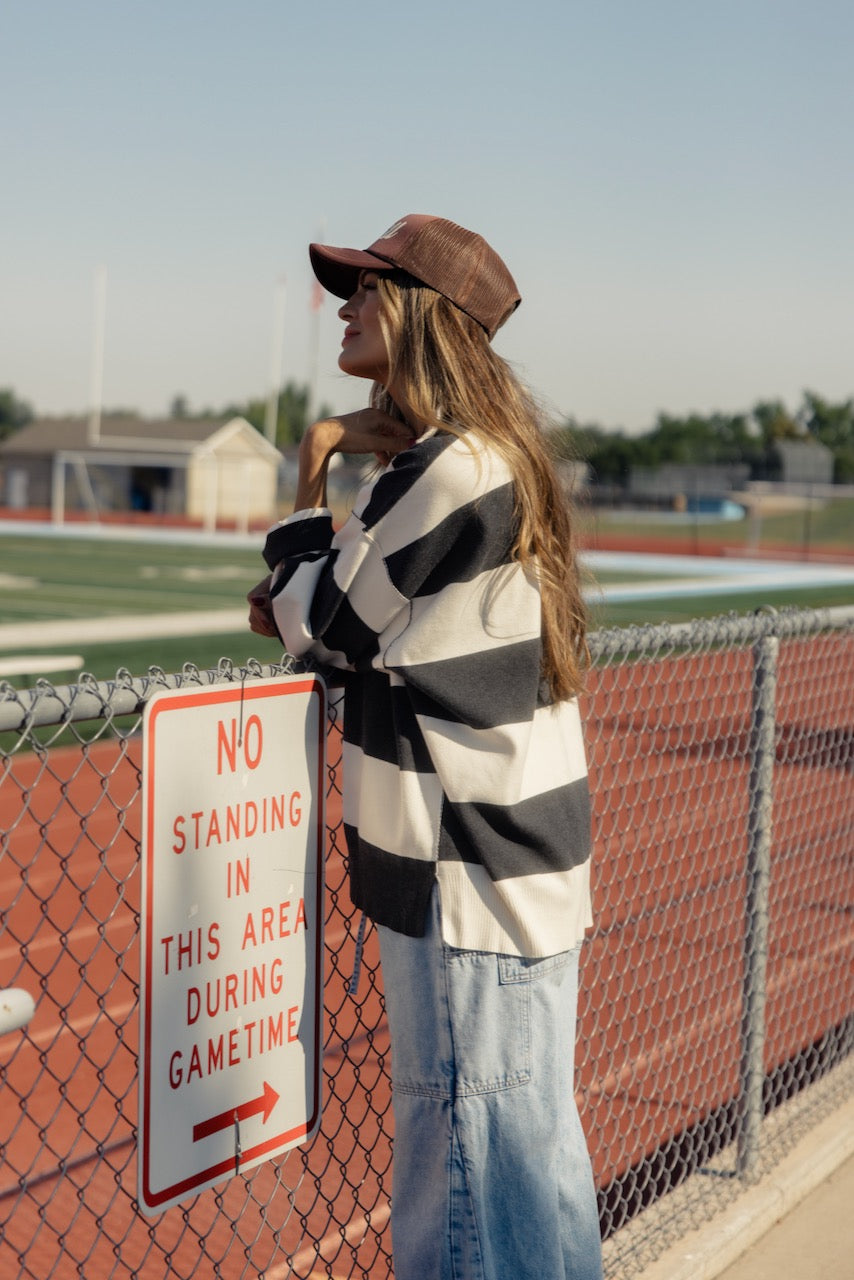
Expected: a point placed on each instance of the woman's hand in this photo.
(365, 431)
(261, 610)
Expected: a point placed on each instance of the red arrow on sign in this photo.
(264, 1103)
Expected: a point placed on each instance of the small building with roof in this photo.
(200, 470)
(803, 462)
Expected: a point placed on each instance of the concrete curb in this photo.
(707, 1252)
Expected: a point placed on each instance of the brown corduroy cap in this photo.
(456, 263)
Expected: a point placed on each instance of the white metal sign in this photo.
(232, 973)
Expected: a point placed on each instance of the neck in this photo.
(408, 415)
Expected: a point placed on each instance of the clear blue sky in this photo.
(670, 182)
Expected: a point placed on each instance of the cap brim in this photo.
(338, 269)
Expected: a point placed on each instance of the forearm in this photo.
(365, 431)
(314, 455)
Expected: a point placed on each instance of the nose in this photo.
(348, 309)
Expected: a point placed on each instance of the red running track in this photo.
(660, 1004)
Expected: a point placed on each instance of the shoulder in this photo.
(443, 471)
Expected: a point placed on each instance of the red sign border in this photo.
(273, 686)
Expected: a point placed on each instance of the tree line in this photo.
(713, 439)
(716, 439)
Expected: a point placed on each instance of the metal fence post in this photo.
(757, 882)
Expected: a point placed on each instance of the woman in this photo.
(450, 599)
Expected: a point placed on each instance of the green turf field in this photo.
(57, 577)
(815, 526)
(50, 578)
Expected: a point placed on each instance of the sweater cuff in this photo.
(309, 530)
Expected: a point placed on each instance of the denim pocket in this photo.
(491, 1023)
(528, 969)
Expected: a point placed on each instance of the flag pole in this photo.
(314, 338)
(272, 418)
(96, 388)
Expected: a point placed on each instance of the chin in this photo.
(357, 369)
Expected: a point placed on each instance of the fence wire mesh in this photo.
(717, 984)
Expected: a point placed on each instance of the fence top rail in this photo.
(90, 699)
(727, 629)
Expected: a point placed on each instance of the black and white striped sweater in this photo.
(456, 767)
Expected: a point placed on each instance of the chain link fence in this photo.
(716, 986)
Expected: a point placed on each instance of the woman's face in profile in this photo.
(363, 348)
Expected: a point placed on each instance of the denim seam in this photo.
(516, 969)
(454, 1250)
(516, 1081)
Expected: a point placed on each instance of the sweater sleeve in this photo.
(416, 527)
(330, 594)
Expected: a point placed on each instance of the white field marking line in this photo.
(12, 953)
(55, 884)
(354, 1233)
(728, 575)
(41, 663)
(679, 588)
(88, 930)
(87, 863)
(192, 573)
(332, 938)
(94, 532)
(141, 626)
(111, 1012)
(707, 575)
(312, 1275)
(636, 562)
(335, 937)
(682, 1043)
(75, 934)
(85, 873)
(702, 586)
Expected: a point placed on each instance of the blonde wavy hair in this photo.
(442, 365)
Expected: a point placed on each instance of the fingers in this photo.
(260, 627)
(386, 448)
(364, 431)
(261, 610)
(260, 593)
(261, 623)
(388, 437)
(396, 433)
(372, 420)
